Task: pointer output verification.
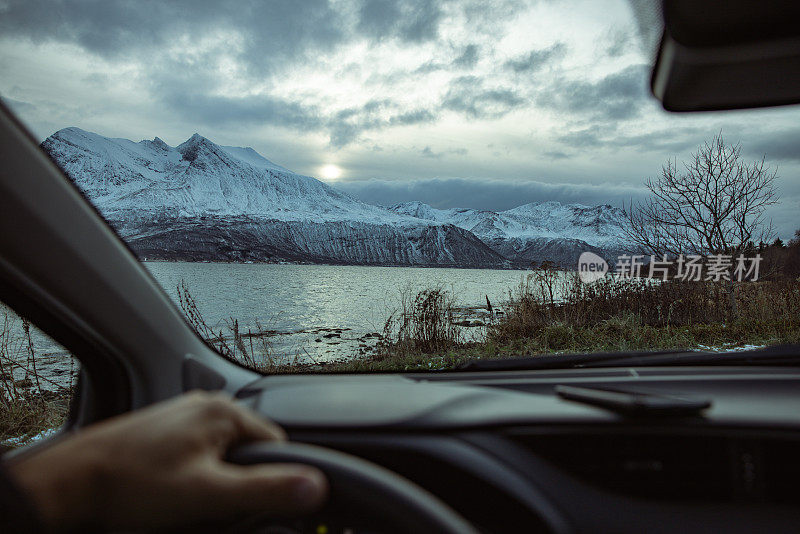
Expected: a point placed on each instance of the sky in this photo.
(485, 104)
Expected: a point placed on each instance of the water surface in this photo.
(308, 302)
(318, 312)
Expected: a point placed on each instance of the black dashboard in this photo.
(508, 454)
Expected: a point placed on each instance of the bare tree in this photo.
(715, 205)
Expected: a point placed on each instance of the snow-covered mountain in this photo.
(535, 232)
(197, 178)
(203, 201)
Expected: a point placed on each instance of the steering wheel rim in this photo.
(354, 482)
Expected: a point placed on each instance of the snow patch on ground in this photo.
(728, 347)
(27, 440)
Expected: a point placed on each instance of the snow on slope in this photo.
(202, 201)
(599, 226)
(199, 178)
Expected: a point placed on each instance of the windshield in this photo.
(374, 185)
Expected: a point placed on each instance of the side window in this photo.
(37, 381)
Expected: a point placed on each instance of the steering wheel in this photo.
(359, 490)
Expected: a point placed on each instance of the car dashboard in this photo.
(509, 455)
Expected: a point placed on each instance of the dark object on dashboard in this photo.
(634, 403)
(728, 54)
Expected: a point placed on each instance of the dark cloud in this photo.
(618, 96)
(587, 137)
(251, 110)
(781, 145)
(427, 152)
(468, 57)
(590, 137)
(406, 118)
(671, 141)
(556, 154)
(18, 106)
(409, 20)
(184, 76)
(495, 195)
(668, 141)
(484, 14)
(347, 125)
(618, 42)
(271, 32)
(189, 93)
(469, 95)
(425, 68)
(536, 59)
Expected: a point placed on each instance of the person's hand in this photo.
(164, 466)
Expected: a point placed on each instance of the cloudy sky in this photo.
(460, 103)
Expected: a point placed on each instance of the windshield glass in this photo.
(376, 185)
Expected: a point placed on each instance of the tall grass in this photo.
(425, 322)
(251, 349)
(29, 401)
(621, 314)
(551, 311)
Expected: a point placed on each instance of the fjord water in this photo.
(299, 300)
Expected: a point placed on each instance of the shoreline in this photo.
(437, 266)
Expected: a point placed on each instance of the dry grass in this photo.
(423, 324)
(251, 349)
(554, 312)
(665, 304)
(551, 312)
(29, 401)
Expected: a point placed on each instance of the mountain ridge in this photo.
(233, 204)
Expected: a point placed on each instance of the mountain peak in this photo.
(156, 143)
(68, 132)
(547, 204)
(275, 214)
(411, 204)
(417, 209)
(195, 139)
(190, 148)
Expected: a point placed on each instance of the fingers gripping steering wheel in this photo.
(361, 490)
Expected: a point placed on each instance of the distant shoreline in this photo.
(347, 265)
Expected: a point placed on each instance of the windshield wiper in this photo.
(787, 355)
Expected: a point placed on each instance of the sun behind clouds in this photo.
(330, 172)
